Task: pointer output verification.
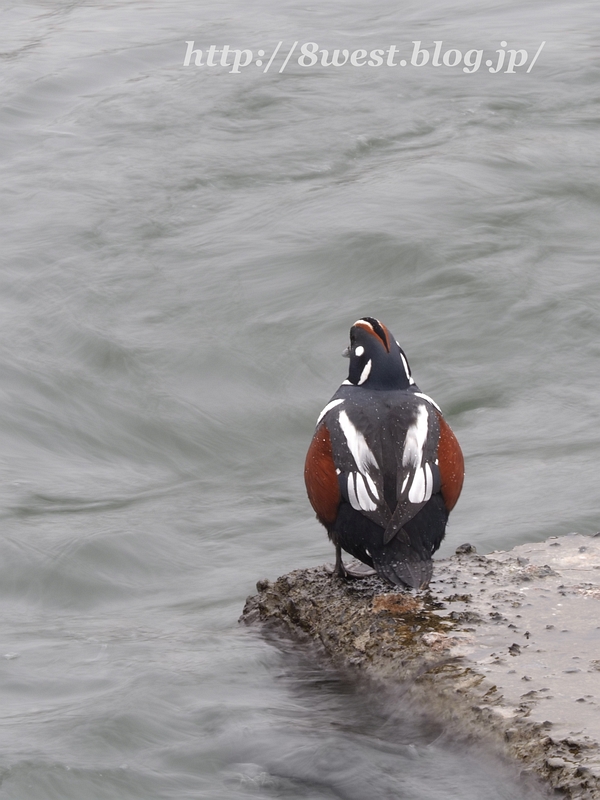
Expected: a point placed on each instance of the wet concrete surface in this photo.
(505, 646)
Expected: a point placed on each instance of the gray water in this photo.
(184, 250)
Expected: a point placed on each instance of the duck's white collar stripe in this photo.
(365, 373)
(406, 369)
(429, 400)
(328, 407)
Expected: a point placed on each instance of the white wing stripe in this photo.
(416, 436)
(371, 486)
(365, 501)
(357, 444)
(410, 454)
(421, 485)
(428, 481)
(352, 492)
(416, 493)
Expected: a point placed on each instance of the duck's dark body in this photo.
(383, 470)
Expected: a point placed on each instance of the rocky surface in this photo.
(505, 645)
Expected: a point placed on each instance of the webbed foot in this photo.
(354, 570)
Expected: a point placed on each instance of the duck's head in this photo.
(376, 359)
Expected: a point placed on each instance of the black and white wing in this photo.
(417, 471)
(385, 458)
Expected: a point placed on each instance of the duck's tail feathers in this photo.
(402, 566)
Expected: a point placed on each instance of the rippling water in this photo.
(184, 250)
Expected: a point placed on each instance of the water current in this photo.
(184, 249)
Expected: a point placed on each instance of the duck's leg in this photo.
(339, 570)
(358, 570)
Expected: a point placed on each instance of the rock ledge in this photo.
(505, 645)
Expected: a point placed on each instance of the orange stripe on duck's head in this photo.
(375, 328)
(376, 360)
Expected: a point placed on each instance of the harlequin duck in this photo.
(383, 470)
